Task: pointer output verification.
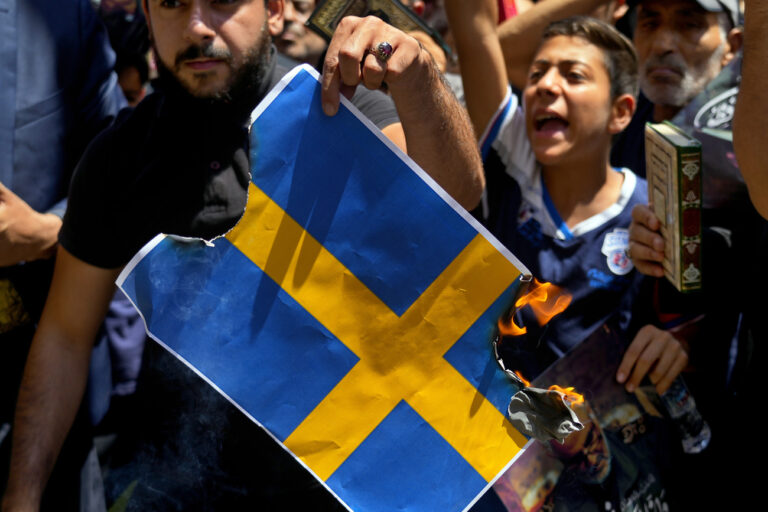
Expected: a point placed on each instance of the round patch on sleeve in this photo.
(615, 245)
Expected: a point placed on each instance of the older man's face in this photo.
(681, 47)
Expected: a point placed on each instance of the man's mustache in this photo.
(671, 61)
(202, 52)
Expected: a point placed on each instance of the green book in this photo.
(673, 169)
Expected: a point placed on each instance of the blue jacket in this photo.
(57, 91)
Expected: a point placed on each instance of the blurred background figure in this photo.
(133, 76)
(298, 41)
(129, 37)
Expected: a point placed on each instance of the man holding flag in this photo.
(178, 164)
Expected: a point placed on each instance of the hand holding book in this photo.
(646, 245)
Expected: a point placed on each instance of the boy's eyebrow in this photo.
(565, 62)
(573, 62)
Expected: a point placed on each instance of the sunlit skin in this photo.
(610, 12)
(568, 81)
(680, 48)
(570, 118)
(230, 27)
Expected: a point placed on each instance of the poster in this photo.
(618, 462)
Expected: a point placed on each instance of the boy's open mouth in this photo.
(550, 122)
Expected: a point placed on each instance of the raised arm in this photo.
(436, 130)
(750, 123)
(473, 25)
(55, 375)
(520, 36)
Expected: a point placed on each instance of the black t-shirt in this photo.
(172, 165)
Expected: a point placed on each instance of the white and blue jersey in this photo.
(588, 260)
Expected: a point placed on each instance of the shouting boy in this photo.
(552, 195)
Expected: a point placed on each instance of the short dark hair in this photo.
(620, 55)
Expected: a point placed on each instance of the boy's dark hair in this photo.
(620, 55)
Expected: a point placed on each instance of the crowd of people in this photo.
(534, 122)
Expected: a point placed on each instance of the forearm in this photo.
(473, 25)
(750, 123)
(520, 36)
(51, 391)
(439, 135)
(55, 374)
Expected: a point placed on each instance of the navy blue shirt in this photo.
(587, 260)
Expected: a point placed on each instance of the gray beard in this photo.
(693, 81)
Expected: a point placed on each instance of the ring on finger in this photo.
(383, 51)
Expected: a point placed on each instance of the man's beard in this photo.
(242, 88)
(693, 81)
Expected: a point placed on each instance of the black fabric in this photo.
(732, 410)
(172, 165)
(160, 169)
(186, 448)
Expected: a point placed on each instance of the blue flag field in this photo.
(349, 313)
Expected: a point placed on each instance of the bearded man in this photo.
(682, 45)
(178, 164)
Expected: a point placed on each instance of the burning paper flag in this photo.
(545, 299)
(338, 317)
(540, 413)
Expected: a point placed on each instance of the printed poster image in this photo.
(617, 463)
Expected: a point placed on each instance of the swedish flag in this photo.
(349, 312)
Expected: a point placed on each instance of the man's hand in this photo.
(646, 246)
(436, 129)
(351, 60)
(655, 353)
(25, 234)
